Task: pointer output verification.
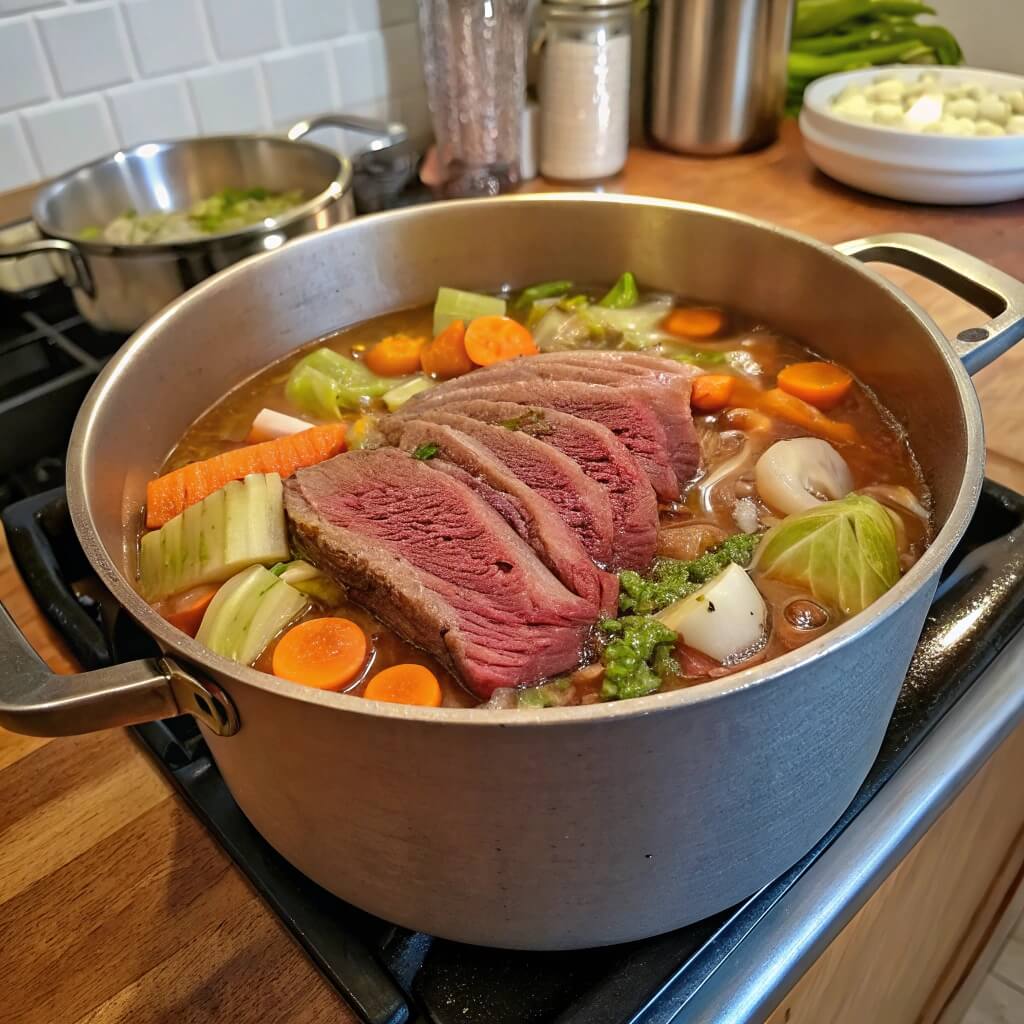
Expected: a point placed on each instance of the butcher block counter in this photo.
(117, 906)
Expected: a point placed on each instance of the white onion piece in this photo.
(795, 475)
(898, 496)
(725, 617)
(271, 424)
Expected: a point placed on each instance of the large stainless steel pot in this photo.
(564, 827)
(119, 287)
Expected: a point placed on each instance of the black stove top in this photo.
(48, 356)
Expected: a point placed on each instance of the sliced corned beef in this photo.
(531, 514)
(601, 456)
(437, 564)
(664, 384)
(624, 410)
(584, 505)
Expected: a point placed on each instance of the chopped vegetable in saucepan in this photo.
(231, 209)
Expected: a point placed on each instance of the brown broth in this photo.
(883, 458)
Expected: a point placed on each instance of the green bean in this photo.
(814, 17)
(547, 290)
(808, 66)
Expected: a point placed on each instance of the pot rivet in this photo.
(973, 334)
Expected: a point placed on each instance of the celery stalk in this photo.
(453, 304)
(240, 525)
(248, 612)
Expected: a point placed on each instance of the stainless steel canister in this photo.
(718, 73)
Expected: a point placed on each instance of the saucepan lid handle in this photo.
(38, 702)
(998, 294)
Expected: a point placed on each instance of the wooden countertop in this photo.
(117, 906)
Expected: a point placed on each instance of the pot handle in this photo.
(73, 272)
(998, 294)
(387, 133)
(38, 702)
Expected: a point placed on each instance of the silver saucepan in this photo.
(119, 287)
(565, 827)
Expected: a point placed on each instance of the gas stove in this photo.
(388, 974)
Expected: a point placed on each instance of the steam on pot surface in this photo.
(563, 495)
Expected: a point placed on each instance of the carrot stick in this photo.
(186, 610)
(445, 357)
(395, 356)
(711, 391)
(405, 684)
(172, 493)
(694, 322)
(777, 402)
(492, 339)
(821, 384)
(323, 653)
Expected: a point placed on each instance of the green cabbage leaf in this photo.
(844, 552)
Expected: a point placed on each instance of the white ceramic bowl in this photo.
(900, 164)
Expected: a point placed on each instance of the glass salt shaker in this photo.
(584, 88)
(474, 55)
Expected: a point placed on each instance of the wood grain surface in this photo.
(115, 904)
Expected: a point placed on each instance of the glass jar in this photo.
(474, 55)
(584, 88)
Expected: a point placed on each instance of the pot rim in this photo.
(172, 640)
(336, 188)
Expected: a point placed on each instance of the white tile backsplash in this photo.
(17, 168)
(86, 47)
(152, 111)
(23, 78)
(299, 84)
(79, 78)
(306, 21)
(229, 99)
(360, 63)
(69, 133)
(242, 28)
(17, 6)
(167, 35)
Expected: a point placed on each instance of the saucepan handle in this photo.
(385, 133)
(73, 269)
(998, 294)
(38, 702)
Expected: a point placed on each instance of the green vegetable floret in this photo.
(671, 579)
(638, 658)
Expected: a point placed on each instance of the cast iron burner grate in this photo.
(49, 356)
(390, 975)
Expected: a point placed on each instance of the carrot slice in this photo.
(694, 322)
(395, 356)
(822, 384)
(711, 391)
(405, 684)
(323, 653)
(445, 357)
(185, 611)
(170, 494)
(777, 402)
(492, 339)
